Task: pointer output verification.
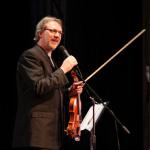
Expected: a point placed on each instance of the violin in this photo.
(73, 128)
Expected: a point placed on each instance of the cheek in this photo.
(47, 38)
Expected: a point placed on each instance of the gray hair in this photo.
(41, 25)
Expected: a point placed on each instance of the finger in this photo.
(78, 83)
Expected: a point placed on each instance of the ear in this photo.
(40, 34)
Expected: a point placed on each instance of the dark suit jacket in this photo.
(39, 113)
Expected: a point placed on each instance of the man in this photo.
(40, 87)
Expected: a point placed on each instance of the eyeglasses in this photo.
(54, 31)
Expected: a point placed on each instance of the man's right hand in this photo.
(68, 63)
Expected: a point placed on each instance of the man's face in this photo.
(51, 36)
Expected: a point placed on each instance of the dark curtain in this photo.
(146, 75)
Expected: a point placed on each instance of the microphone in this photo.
(64, 51)
(66, 54)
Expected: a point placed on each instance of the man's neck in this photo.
(47, 50)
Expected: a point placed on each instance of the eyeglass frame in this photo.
(54, 31)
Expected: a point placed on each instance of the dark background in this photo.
(94, 31)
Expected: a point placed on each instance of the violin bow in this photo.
(118, 52)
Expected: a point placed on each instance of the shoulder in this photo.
(27, 55)
(34, 52)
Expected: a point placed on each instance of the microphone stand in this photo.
(93, 135)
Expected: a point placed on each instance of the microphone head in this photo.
(62, 48)
(64, 51)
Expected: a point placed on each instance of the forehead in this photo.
(54, 25)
